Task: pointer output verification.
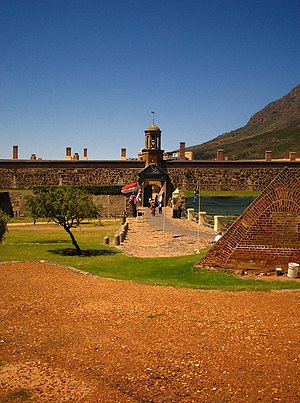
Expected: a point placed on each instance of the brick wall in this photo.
(266, 234)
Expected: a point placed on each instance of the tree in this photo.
(66, 206)
(3, 224)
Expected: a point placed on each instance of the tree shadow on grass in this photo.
(84, 252)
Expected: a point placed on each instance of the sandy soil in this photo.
(66, 336)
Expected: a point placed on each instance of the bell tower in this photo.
(152, 153)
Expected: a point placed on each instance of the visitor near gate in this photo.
(160, 207)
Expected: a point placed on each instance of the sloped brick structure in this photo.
(267, 234)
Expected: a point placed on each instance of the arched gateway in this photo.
(153, 176)
(151, 179)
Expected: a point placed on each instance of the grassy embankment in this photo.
(47, 242)
(222, 193)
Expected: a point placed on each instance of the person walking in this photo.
(153, 208)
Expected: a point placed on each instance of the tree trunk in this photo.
(74, 242)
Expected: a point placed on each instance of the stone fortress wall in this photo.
(227, 175)
(26, 174)
(214, 175)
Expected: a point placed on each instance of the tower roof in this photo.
(153, 128)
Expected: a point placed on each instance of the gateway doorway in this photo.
(150, 191)
(151, 179)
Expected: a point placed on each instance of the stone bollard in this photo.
(217, 222)
(117, 240)
(122, 236)
(201, 217)
(190, 214)
(124, 228)
(106, 240)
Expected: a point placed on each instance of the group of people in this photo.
(153, 204)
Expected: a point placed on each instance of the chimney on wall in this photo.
(68, 153)
(85, 156)
(268, 155)
(292, 156)
(182, 151)
(33, 157)
(76, 157)
(15, 152)
(220, 155)
(123, 154)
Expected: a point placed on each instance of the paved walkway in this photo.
(161, 236)
(161, 221)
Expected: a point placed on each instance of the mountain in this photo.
(275, 127)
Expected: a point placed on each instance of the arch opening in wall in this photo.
(150, 191)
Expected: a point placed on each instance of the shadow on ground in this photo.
(84, 252)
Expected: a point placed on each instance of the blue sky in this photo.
(87, 73)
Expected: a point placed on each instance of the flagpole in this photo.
(164, 219)
(137, 205)
(199, 211)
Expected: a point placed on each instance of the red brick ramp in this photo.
(267, 234)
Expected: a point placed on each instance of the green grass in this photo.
(25, 220)
(29, 220)
(19, 395)
(29, 191)
(222, 193)
(109, 262)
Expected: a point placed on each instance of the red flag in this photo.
(131, 188)
(161, 193)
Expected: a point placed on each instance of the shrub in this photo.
(91, 189)
(65, 205)
(3, 224)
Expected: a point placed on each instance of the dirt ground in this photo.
(66, 336)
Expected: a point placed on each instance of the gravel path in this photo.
(65, 336)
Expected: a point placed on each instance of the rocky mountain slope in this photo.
(276, 127)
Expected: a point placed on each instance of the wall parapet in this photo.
(214, 175)
(26, 174)
(227, 175)
(71, 164)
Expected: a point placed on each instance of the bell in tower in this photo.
(152, 153)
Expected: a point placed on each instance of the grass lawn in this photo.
(48, 243)
(222, 193)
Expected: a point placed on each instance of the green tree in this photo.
(66, 206)
(3, 224)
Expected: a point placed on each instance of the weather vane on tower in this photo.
(153, 113)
